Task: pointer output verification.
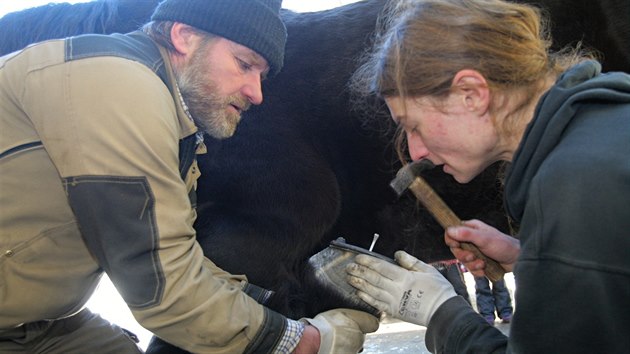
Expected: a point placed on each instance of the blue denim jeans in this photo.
(491, 299)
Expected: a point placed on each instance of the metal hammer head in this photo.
(406, 175)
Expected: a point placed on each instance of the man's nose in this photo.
(252, 89)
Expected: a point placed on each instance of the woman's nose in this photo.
(417, 149)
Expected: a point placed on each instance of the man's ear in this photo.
(474, 90)
(184, 38)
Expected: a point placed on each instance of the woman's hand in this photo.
(410, 292)
(490, 241)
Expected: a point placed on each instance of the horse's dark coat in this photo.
(304, 168)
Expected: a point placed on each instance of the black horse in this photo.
(307, 166)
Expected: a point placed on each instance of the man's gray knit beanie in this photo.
(255, 24)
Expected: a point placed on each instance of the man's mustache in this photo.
(241, 103)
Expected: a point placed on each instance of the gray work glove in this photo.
(342, 330)
(411, 292)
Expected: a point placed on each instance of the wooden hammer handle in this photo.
(446, 217)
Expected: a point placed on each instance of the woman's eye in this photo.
(412, 129)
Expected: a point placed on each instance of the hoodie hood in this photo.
(580, 85)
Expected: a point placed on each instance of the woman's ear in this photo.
(184, 38)
(473, 89)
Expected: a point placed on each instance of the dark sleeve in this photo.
(456, 328)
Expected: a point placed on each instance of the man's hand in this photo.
(412, 292)
(490, 241)
(342, 330)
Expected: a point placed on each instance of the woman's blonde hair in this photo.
(422, 44)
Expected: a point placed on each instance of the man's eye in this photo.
(245, 66)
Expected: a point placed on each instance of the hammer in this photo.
(408, 177)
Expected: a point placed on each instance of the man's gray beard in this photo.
(208, 110)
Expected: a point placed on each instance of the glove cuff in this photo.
(443, 297)
(326, 334)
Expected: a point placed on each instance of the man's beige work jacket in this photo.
(90, 181)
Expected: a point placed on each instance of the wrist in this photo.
(440, 297)
(309, 343)
(516, 246)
